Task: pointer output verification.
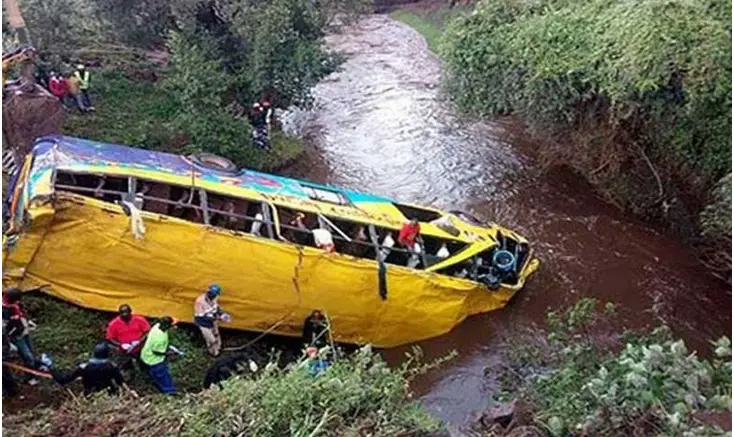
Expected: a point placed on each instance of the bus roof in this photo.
(76, 154)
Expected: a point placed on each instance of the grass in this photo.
(356, 396)
(68, 333)
(359, 393)
(429, 23)
(137, 113)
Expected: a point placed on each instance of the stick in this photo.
(661, 191)
(27, 370)
(320, 424)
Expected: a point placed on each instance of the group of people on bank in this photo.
(131, 341)
(72, 90)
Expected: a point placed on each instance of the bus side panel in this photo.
(90, 258)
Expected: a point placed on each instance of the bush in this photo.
(626, 78)
(716, 225)
(581, 378)
(355, 396)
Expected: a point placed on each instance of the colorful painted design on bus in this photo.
(66, 152)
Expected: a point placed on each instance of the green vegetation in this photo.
(658, 72)
(429, 23)
(68, 334)
(634, 96)
(224, 56)
(138, 112)
(355, 396)
(581, 378)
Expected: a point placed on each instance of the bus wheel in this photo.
(213, 162)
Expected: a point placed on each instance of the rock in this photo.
(502, 414)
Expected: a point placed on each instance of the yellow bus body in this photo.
(82, 250)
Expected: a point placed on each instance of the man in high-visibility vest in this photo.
(82, 76)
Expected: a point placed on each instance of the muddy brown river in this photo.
(382, 125)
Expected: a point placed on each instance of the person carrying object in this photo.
(207, 315)
(127, 332)
(155, 354)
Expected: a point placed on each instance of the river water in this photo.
(382, 125)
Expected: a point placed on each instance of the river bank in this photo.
(685, 194)
(382, 125)
(137, 112)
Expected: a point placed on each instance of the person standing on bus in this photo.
(409, 233)
(407, 238)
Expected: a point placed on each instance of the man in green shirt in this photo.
(155, 353)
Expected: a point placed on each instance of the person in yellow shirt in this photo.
(75, 93)
(82, 75)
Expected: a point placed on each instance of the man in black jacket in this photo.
(97, 374)
(316, 330)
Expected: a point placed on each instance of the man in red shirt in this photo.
(409, 233)
(127, 332)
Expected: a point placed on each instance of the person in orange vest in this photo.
(82, 75)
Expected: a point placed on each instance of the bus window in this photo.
(107, 188)
(350, 238)
(238, 214)
(295, 226)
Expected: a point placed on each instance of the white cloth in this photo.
(388, 242)
(127, 347)
(257, 224)
(322, 237)
(137, 227)
(443, 252)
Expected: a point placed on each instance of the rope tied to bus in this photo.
(295, 278)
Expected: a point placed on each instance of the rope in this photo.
(27, 370)
(296, 275)
(263, 334)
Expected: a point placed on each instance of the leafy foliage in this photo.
(649, 74)
(139, 23)
(227, 56)
(716, 218)
(355, 395)
(716, 226)
(57, 26)
(577, 378)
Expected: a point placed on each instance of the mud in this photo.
(382, 125)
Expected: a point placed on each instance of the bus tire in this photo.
(213, 162)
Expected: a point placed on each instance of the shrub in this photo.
(355, 396)
(581, 378)
(615, 81)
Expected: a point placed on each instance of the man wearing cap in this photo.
(97, 374)
(155, 353)
(207, 315)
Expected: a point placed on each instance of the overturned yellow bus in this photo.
(100, 225)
